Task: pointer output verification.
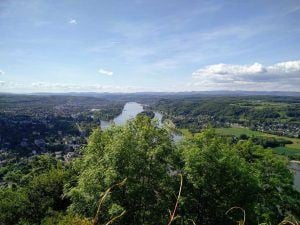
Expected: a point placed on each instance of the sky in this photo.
(149, 45)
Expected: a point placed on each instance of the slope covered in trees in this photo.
(270, 114)
(129, 175)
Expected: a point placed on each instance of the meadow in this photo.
(290, 150)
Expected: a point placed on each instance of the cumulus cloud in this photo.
(105, 72)
(1, 72)
(72, 21)
(284, 74)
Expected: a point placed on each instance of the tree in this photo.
(45, 193)
(139, 152)
(220, 175)
(216, 179)
(38, 192)
(276, 197)
(13, 205)
(128, 174)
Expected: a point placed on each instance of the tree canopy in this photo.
(128, 175)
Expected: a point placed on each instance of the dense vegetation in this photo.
(141, 163)
(148, 113)
(270, 114)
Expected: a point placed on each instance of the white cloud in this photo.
(286, 67)
(2, 83)
(284, 75)
(1, 72)
(72, 21)
(105, 72)
(226, 69)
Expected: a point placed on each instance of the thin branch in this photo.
(288, 222)
(96, 218)
(115, 218)
(177, 201)
(236, 207)
(192, 221)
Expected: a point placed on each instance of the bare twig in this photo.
(96, 218)
(115, 218)
(192, 221)
(240, 222)
(177, 201)
(284, 222)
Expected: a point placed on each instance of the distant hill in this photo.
(191, 93)
(207, 93)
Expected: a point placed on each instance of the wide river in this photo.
(131, 109)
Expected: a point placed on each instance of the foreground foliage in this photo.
(217, 175)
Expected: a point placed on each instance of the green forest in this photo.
(136, 174)
(278, 115)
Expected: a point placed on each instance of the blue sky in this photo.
(149, 45)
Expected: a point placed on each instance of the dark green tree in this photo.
(220, 175)
(138, 152)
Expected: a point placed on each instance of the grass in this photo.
(237, 131)
(289, 152)
(185, 132)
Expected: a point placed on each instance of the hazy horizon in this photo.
(149, 46)
(183, 93)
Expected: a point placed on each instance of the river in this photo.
(131, 109)
(295, 167)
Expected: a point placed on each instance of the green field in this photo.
(186, 132)
(290, 152)
(237, 131)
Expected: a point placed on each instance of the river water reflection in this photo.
(130, 111)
